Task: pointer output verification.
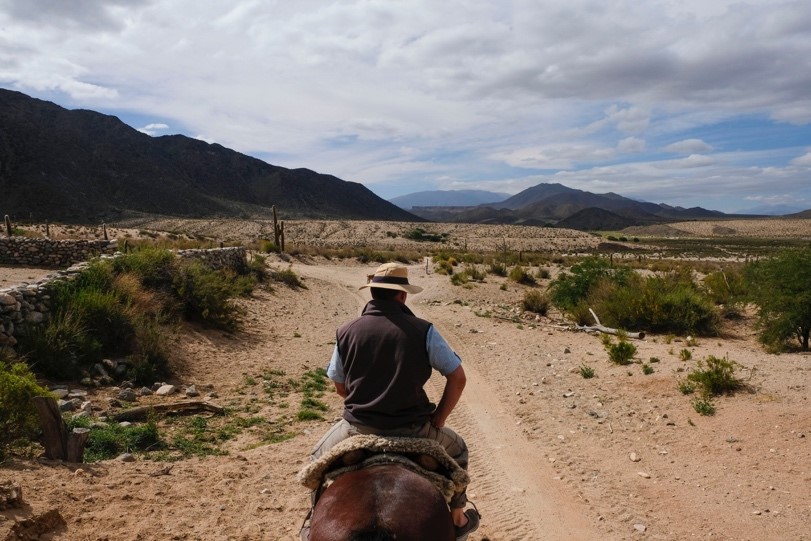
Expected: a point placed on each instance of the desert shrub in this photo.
(267, 246)
(474, 273)
(497, 268)
(443, 266)
(703, 406)
(61, 348)
(647, 369)
(205, 295)
(781, 287)
(622, 352)
(569, 289)
(536, 301)
(519, 275)
(586, 371)
(685, 354)
(670, 303)
(287, 277)
(460, 278)
(153, 266)
(715, 376)
(543, 273)
(18, 416)
(725, 286)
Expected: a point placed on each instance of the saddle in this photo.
(422, 456)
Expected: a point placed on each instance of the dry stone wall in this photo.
(50, 253)
(25, 306)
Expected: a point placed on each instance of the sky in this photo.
(684, 102)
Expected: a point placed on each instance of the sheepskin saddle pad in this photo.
(423, 456)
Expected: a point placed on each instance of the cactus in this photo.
(47, 230)
(104, 230)
(278, 232)
(8, 226)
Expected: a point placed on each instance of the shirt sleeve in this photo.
(335, 370)
(442, 358)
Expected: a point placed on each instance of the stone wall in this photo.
(50, 253)
(25, 306)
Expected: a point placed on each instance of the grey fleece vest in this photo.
(386, 365)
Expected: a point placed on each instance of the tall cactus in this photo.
(8, 225)
(278, 232)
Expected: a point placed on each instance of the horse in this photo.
(381, 503)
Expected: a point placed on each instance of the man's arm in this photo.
(454, 385)
(340, 388)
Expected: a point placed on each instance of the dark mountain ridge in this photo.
(83, 166)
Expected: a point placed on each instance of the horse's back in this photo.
(380, 503)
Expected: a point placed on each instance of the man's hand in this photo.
(454, 385)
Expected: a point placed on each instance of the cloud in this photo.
(554, 156)
(688, 146)
(153, 129)
(631, 144)
(83, 14)
(804, 160)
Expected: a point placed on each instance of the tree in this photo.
(781, 287)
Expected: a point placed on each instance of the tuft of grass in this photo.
(703, 406)
(288, 277)
(685, 354)
(647, 369)
(586, 371)
(536, 301)
(520, 275)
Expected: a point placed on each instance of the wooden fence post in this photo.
(59, 443)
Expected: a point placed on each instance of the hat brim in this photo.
(408, 288)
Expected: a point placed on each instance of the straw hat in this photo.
(391, 276)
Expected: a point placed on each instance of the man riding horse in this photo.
(379, 366)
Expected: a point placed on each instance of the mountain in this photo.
(772, 210)
(82, 166)
(806, 214)
(448, 198)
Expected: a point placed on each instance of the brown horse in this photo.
(381, 503)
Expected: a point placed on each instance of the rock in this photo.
(98, 368)
(127, 385)
(191, 391)
(634, 457)
(69, 405)
(165, 390)
(567, 350)
(146, 391)
(644, 475)
(11, 495)
(640, 527)
(126, 457)
(568, 394)
(127, 395)
(60, 393)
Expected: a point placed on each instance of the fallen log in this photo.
(143, 412)
(599, 327)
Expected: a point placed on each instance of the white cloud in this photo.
(554, 156)
(689, 146)
(153, 129)
(804, 160)
(631, 144)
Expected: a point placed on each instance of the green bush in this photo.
(205, 295)
(460, 278)
(536, 301)
(569, 289)
(519, 275)
(621, 352)
(61, 348)
(18, 416)
(715, 376)
(586, 372)
(781, 287)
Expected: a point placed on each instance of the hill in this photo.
(83, 166)
(448, 198)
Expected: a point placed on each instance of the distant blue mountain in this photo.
(448, 198)
(772, 210)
